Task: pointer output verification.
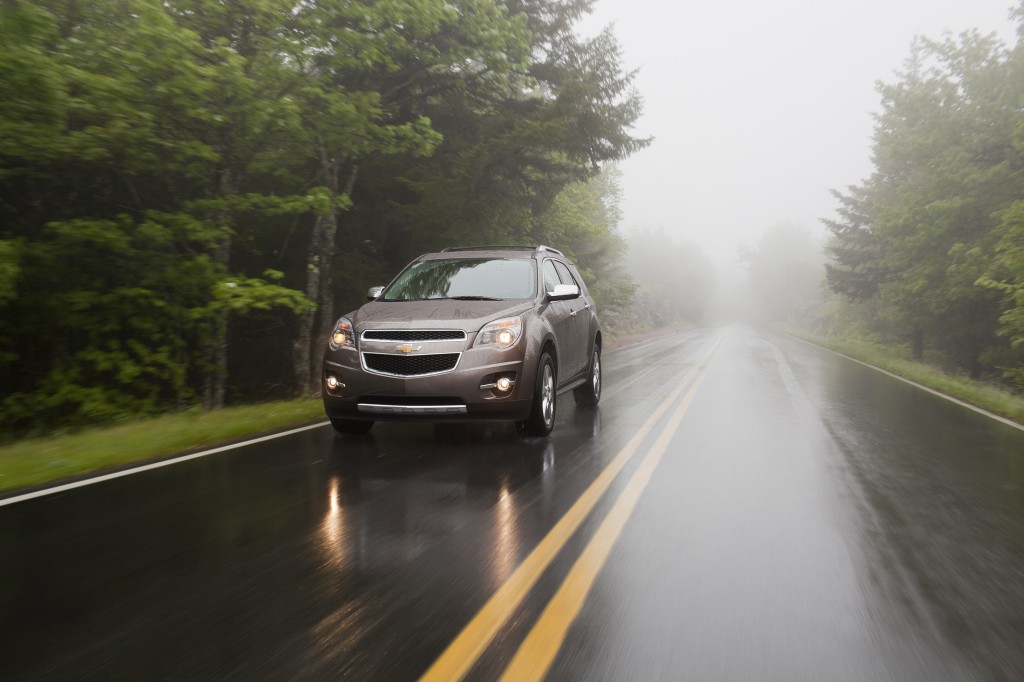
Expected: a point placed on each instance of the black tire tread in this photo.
(584, 394)
(534, 425)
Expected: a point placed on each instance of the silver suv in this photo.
(468, 334)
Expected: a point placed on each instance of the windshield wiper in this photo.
(474, 298)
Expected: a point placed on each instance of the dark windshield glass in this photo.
(471, 278)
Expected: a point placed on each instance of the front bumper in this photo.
(467, 393)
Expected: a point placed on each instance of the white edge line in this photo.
(154, 465)
(979, 410)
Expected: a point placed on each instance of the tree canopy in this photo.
(194, 190)
(935, 233)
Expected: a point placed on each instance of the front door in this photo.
(580, 316)
(559, 314)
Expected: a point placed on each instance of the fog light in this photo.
(332, 382)
(503, 384)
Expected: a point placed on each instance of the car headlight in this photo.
(342, 336)
(501, 333)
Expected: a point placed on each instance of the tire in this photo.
(589, 394)
(542, 412)
(351, 425)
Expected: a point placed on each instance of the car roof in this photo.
(524, 252)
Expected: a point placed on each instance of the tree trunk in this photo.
(301, 356)
(324, 301)
(315, 325)
(217, 347)
(214, 388)
(917, 343)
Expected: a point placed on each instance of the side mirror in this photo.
(374, 293)
(564, 292)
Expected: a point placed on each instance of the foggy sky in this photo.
(759, 108)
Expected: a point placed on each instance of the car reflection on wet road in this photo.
(807, 518)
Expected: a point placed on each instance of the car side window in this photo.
(550, 276)
(564, 274)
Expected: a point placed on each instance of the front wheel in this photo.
(542, 413)
(589, 394)
(351, 425)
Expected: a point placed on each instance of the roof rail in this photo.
(503, 247)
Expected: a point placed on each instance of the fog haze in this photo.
(758, 109)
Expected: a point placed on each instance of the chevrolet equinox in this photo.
(467, 334)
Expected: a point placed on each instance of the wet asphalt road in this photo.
(809, 519)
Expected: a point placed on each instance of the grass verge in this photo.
(41, 460)
(36, 461)
(897, 360)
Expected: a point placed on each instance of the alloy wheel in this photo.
(548, 395)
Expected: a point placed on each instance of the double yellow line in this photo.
(541, 645)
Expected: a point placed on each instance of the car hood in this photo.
(469, 316)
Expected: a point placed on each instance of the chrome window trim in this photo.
(362, 361)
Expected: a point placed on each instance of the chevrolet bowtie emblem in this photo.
(407, 348)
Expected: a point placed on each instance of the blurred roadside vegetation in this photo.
(897, 360)
(676, 284)
(36, 461)
(925, 259)
(191, 191)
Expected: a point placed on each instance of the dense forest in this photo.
(193, 190)
(931, 246)
(927, 252)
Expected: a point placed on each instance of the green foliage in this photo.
(1006, 276)
(895, 359)
(10, 257)
(923, 233)
(114, 305)
(857, 268)
(582, 221)
(242, 294)
(32, 85)
(123, 305)
(73, 454)
(168, 169)
(514, 138)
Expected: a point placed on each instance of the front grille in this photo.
(414, 335)
(410, 365)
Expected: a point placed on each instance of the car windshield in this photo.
(481, 279)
